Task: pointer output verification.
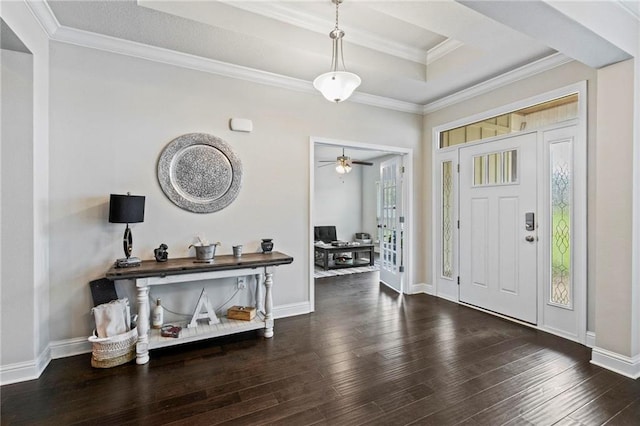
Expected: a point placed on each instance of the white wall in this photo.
(111, 117)
(613, 211)
(370, 178)
(30, 350)
(338, 200)
(348, 201)
(17, 205)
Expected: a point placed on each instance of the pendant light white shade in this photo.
(336, 86)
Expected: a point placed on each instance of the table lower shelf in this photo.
(205, 331)
(335, 265)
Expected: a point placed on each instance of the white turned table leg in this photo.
(259, 295)
(268, 303)
(142, 347)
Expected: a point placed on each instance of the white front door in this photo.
(498, 226)
(390, 226)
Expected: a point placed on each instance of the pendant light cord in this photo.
(338, 50)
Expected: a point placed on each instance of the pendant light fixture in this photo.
(337, 85)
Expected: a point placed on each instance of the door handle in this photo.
(530, 238)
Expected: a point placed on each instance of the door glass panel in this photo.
(478, 170)
(494, 168)
(561, 181)
(447, 219)
(510, 166)
(389, 247)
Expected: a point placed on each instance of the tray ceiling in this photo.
(410, 51)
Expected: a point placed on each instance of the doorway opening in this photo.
(368, 204)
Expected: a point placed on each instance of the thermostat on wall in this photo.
(241, 125)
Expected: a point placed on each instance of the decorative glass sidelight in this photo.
(447, 219)
(561, 189)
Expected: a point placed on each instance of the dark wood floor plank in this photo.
(203, 415)
(453, 396)
(477, 402)
(529, 398)
(366, 356)
(627, 417)
(572, 399)
(283, 409)
(312, 416)
(609, 404)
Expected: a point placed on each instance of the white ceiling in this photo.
(412, 51)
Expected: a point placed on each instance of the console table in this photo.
(322, 251)
(152, 273)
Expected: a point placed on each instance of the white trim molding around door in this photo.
(446, 285)
(408, 196)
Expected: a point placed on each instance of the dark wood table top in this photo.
(187, 265)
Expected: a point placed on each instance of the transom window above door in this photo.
(532, 117)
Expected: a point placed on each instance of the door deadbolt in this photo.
(529, 221)
(530, 238)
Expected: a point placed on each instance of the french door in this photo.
(390, 223)
(498, 226)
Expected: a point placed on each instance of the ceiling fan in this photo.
(344, 163)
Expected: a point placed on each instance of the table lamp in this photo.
(126, 209)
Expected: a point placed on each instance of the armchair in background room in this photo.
(326, 234)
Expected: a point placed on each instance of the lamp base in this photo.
(128, 262)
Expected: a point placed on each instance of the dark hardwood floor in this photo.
(367, 356)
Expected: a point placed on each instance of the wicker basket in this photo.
(112, 351)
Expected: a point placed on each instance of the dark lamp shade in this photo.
(126, 208)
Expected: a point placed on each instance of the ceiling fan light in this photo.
(337, 86)
(343, 167)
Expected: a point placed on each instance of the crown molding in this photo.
(41, 10)
(387, 103)
(442, 49)
(60, 33)
(323, 26)
(526, 71)
(628, 9)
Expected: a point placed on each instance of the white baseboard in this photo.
(23, 371)
(615, 362)
(591, 339)
(421, 288)
(291, 310)
(69, 347)
(30, 370)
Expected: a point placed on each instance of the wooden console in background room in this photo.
(152, 273)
